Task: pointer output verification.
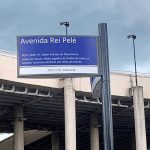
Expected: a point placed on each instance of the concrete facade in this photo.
(120, 82)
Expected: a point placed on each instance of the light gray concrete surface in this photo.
(55, 141)
(19, 128)
(94, 132)
(70, 115)
(139, 117)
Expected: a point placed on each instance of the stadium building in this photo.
(33, 109)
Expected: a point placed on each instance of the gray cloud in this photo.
(43, 17)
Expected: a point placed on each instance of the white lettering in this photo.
(69, 40)
(54, 40)
(34, 41)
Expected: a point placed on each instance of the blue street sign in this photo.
(57, 56)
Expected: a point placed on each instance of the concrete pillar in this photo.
(139, 117)
(55, 141)
(70, 115)
(94, 132)
(18, 128)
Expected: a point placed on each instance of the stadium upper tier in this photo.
(120, 81)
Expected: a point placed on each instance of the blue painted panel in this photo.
(57, 50)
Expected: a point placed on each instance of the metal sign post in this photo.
(106, 96)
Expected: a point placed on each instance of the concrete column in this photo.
(70, 115)
(94, 132)
(139, 117)
(55, 141)
(19, 128)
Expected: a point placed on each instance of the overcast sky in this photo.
(30, 17)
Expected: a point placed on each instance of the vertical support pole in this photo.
(70, 115)
(106, 95)
(55, 141)
(19, 128)
(139, 117)
(94, 132)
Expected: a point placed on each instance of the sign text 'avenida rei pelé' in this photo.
(57, 56)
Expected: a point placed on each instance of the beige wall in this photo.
(120, 82)
(8, 71)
